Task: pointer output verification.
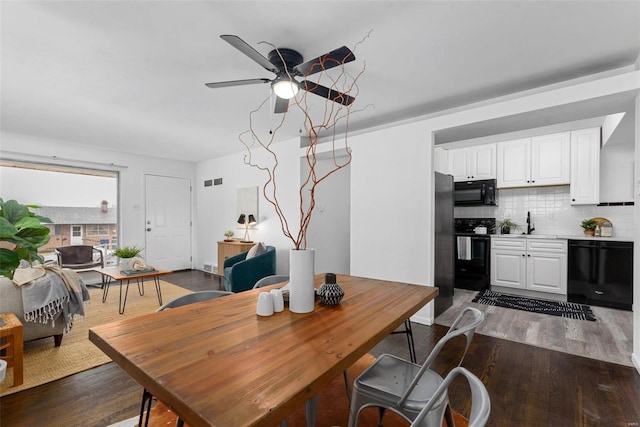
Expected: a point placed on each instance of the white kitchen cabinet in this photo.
(472, 163)
(538, 161)
(440, 160)
(538, 265)
(585, 167)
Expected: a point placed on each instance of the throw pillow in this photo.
(257, 249)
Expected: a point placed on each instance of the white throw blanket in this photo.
(60, 292)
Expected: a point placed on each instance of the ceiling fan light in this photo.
(285, 89)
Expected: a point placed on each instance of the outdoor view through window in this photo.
(81, 203)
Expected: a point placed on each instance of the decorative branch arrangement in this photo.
(330, 122)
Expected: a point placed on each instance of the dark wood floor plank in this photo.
(529, 386)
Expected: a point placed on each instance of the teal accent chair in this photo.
(240, 274)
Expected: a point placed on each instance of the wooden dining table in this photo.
(217, 363)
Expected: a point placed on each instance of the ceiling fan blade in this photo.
(243, 47)
(333, 95)
(236, 83)
(332, 59)
(282, 105)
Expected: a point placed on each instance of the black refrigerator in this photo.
(444, 258)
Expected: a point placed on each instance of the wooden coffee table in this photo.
(11, 332)
(110, 274)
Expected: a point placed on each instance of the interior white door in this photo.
(168, 222)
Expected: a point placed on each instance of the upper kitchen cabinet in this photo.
(538, 161)
(440, 160)
(585, 167)
(472, 163)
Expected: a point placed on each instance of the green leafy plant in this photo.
(21, 234)
(128, 251)
(228, 234)
(506, 225)
(588, 224)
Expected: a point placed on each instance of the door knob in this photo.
(149, 229)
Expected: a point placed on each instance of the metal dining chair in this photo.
(405, 387)
(191, 298)
(480, 402)
(270, 280)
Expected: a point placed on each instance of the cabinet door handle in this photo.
(522, 254)
(599, 292)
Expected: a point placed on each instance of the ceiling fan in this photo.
(287, 64)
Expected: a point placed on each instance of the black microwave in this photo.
(475, 193)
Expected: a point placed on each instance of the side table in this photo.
(11, 342)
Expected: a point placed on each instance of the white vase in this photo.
(124, 264)
(301, 278)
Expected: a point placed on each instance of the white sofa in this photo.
(11, 302)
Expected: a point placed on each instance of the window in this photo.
(82, 203)
(97, 230)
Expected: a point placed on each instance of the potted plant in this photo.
(21, 234)
(589, 226)
(506, 225)
(125, 254)
(228, 234)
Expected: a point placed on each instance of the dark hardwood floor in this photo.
(529, 386)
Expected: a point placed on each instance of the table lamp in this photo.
(246, 222)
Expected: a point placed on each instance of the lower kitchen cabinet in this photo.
(538, 265)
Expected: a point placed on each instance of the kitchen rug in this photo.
(555, 308)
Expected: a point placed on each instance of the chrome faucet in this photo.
(530, 227)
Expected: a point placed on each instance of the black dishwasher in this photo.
(601, 273)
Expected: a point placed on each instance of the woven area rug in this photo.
(554, 308)
(44, 363)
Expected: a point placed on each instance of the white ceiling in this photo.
(129, 75)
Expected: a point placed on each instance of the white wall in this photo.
(131, 203)
(329, 232)
(216, 205)
(617, 162)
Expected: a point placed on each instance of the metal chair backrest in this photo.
(480, 400)
(193, 298)
(270, 280)
(456, 329)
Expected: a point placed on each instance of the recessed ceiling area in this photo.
(568, 116)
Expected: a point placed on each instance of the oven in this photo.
(473, 252)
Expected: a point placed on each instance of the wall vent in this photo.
(208, 183)
(217, 181)
(208, 267)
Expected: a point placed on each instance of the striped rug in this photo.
(555, 308)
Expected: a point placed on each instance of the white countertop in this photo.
(560, 236)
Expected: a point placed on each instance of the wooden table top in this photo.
(115, 274)
(216, 363)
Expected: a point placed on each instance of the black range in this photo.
(473, 251)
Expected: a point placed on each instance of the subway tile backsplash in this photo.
(551, 211)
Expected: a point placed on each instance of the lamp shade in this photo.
(285, 89)
(252, 220)
(242, 219)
